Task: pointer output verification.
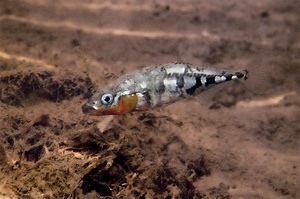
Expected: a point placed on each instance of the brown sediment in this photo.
(239, 144)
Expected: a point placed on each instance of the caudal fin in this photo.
(258, 76)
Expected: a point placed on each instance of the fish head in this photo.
(107, 102)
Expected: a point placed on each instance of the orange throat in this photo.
(126, 104)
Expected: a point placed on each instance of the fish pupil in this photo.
(107, 98)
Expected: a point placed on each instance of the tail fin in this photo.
(241, 75)
(258, 76)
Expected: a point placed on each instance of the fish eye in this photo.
(107, 99)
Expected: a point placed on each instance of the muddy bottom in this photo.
(239, 140)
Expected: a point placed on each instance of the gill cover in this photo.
(109, 105)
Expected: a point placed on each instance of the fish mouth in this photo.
(99, 111)
(86, 109)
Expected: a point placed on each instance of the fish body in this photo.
(155, 86)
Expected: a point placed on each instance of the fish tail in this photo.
(257, 76)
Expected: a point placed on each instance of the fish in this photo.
(156, 86)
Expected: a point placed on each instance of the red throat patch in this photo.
(126, 104)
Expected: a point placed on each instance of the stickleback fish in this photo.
(155, 86)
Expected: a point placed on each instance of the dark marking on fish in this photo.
(241, 75)
(228, 77)
(192, 90)
(161, 88)
(147, 97)
(180, 81)
(210, 80)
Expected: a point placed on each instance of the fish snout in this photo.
(86, 109)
